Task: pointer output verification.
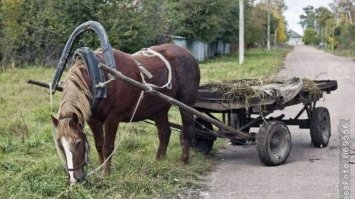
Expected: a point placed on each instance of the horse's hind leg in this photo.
(164, 131)
(97, 130)
(186, 135)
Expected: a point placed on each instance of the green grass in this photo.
(30, 167)
(258, 63)
(342, 52)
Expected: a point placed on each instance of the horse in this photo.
(119, 105)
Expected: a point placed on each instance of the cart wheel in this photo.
(273, 143)
(320, 127)
(203, 143)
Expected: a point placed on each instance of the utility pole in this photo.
(333, 36)
(268, 25)
(241, 32)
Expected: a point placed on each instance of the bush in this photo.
(310, 37)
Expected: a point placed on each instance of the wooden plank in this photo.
(44, 85)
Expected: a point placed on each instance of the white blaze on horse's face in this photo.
(69, 158)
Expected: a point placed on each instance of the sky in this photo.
(295, 10)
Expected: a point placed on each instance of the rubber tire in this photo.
(320, 127)
(264, 141)
(204, 144)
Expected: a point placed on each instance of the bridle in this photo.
(78, 167)
(85, 162)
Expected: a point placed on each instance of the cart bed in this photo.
(211, 99)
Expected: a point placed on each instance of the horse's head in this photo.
(73, 144)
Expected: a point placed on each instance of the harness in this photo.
(78, 167)
(97, 76)
(147, 52)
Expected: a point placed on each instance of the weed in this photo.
(19, 128)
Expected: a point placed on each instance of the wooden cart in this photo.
(273, 141)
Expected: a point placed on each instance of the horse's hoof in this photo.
(72, 184)
(106, 172)
(159, 157)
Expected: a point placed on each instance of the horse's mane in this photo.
(76, 98)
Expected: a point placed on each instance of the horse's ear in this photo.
(55, 121)
(74, 121)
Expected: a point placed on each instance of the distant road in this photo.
(309, 172)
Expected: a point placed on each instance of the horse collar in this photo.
(96, 75)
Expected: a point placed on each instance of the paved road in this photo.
(309, 172)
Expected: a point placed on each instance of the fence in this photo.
(200, 50)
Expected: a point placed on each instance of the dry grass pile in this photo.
(311, 92)
(242, 91)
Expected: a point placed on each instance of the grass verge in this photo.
(30, 167)
(342, 52)
(258, 63)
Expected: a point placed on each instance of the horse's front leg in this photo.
(110, 126)
(97, 130)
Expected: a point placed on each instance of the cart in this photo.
(273, 141)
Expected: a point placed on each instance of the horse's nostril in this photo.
(80, 179)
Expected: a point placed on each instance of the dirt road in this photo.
(309, 172)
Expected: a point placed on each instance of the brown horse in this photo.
(75, 107)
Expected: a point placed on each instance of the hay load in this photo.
(254, 91)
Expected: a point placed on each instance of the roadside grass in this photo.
(342, 52)
(258, 63)
(31, 168)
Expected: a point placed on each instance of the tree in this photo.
(310, 37)
(201, 20)
(281, 35)
(1, 31)
(230, 26)
(130, 26)
(256, 27)
(13, 30)
(323, 14)
(279, 5)
(309, 18)
(35, 31)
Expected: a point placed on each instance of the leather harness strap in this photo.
(147, 52)
(96, 75)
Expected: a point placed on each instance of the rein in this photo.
(78, 167)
